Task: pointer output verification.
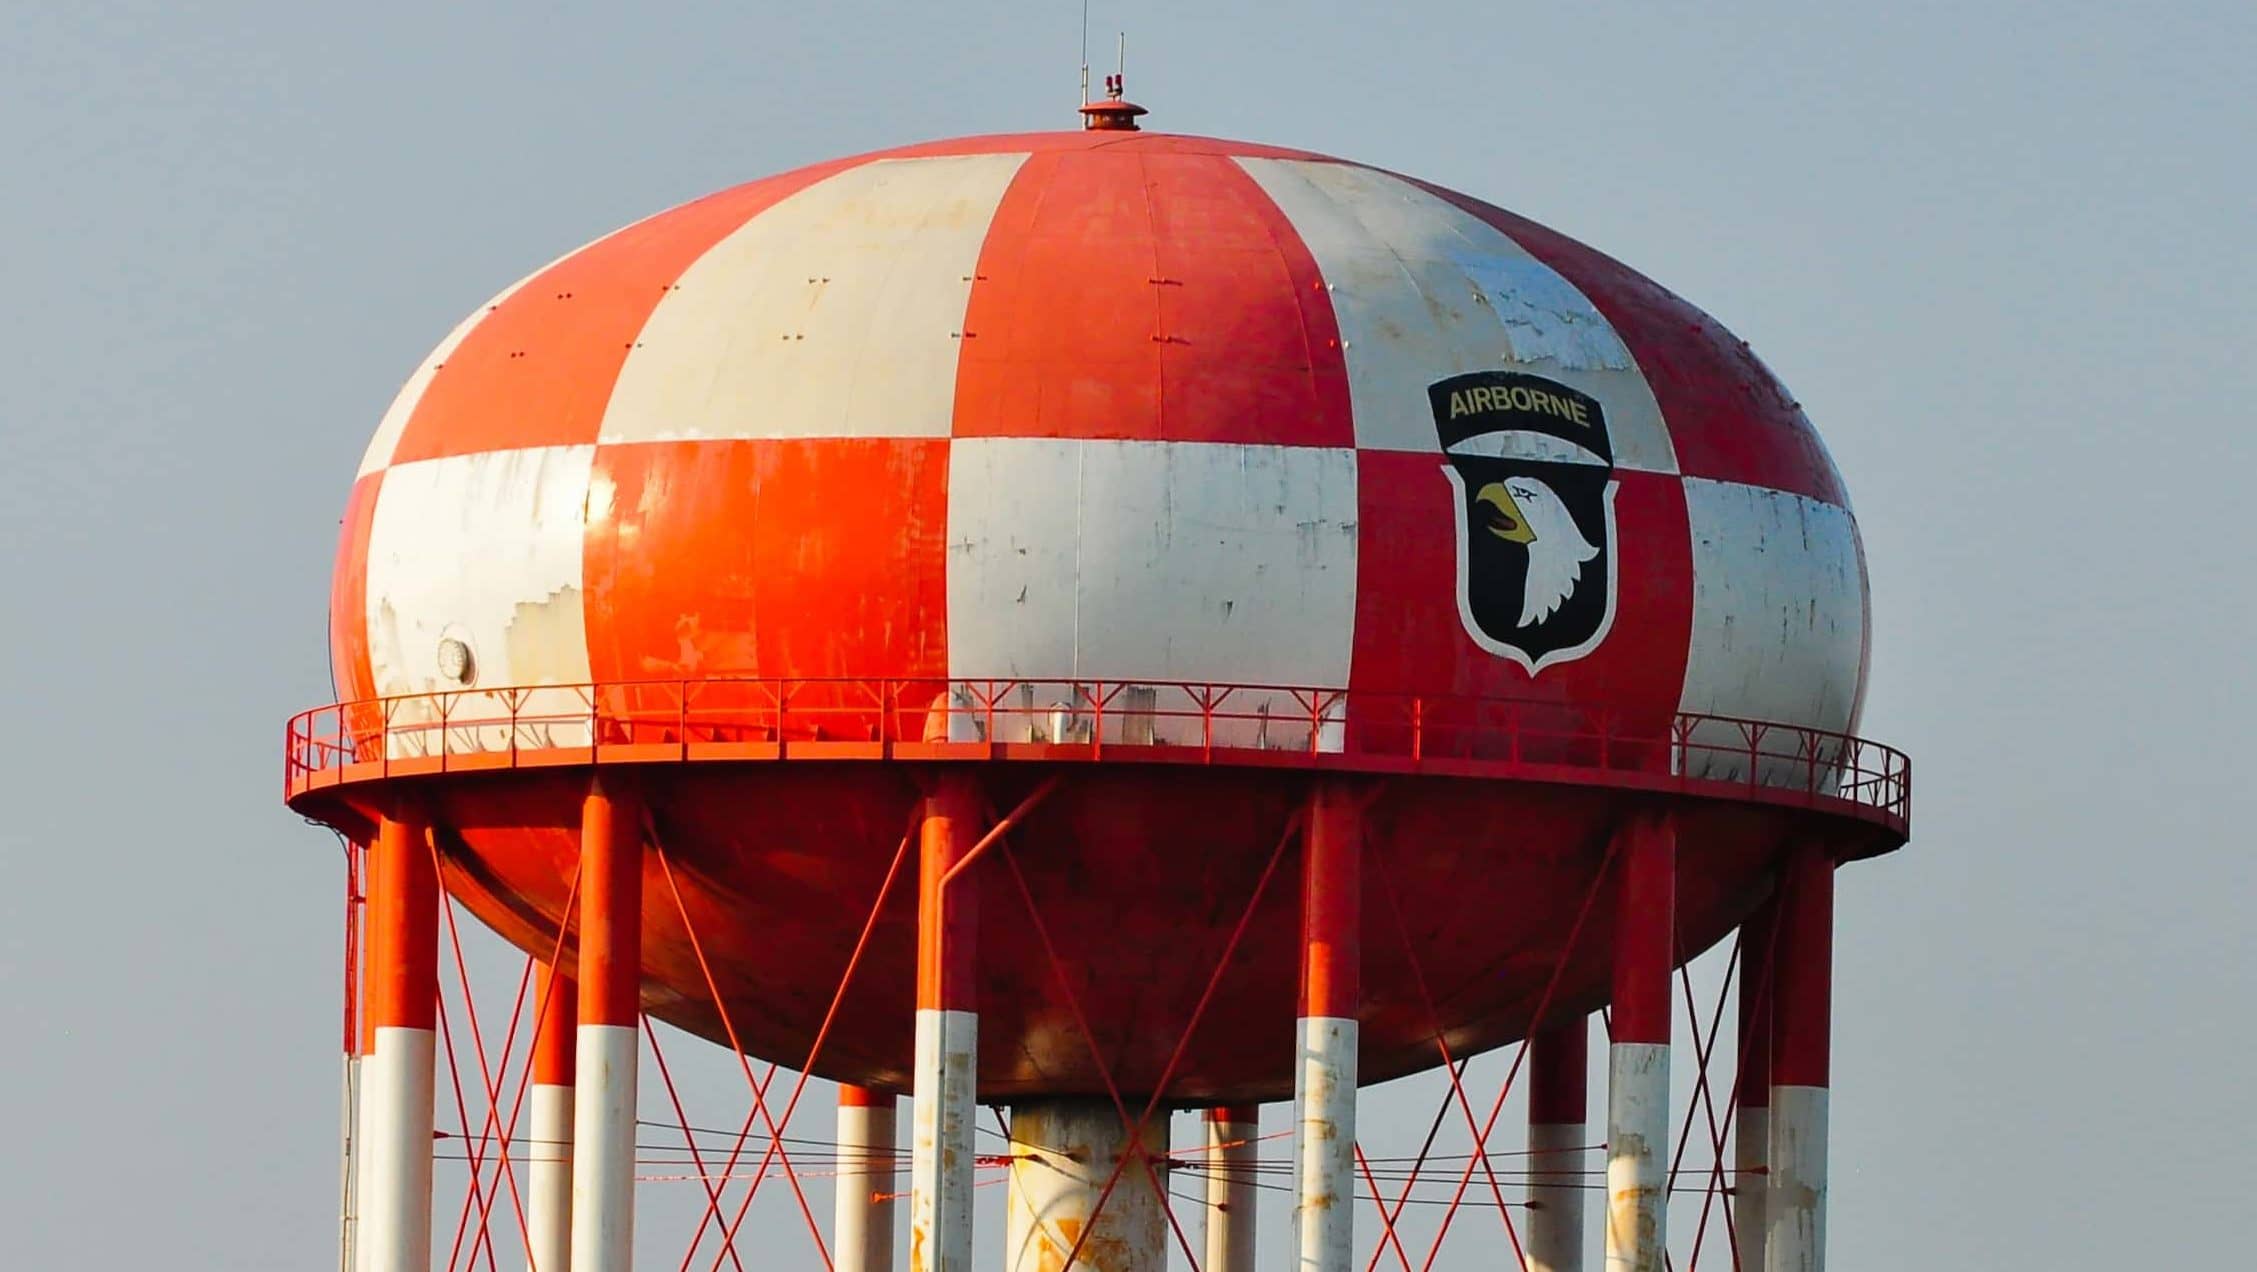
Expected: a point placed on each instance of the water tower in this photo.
(1181, 623)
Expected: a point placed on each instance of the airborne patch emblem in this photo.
(1534, 473)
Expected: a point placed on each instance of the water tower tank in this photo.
(1212, 515)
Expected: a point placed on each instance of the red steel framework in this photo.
(484, 1085)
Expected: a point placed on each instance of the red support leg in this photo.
(1638, 1061)
(1331, 996)
(348, 1200)
(1231, 1161)
(862, 1217)
(944, 1084)
(610, 978)
(1557, 1136)
(400, 1016)
(1800, 1058)
(548, 1220)
(1751, 1134)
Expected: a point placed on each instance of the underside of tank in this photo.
(1120, 898)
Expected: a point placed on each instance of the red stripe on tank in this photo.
(770, 557)
(1411, 639)
(539, 368)
(1159, 297)
(350, 673)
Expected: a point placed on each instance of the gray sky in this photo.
(2001, 252)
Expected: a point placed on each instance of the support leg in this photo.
(1230, 1161)
(1638, 1062)
(548, 1201)
(348, 1174)
(945, 1082)
(1558, 1098)
(1324, 1147)
(1800, 1057)
(862, 1215)
(1751, 1121)
(610, 975)
(348, 1186)
(1062, 1152)
(394, 1234)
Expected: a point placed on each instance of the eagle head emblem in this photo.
(1533, 472)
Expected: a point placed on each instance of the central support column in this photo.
(1231, 1165)
(548, 1201)
(402, 991)
(1062, 1152)
(1558, 1099)
(945, 1082)
(1751, 1121)
(1324, 1093)
(1801, 1054)
(862, 1215)
(1645, 927)
(603, 1109)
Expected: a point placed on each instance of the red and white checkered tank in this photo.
(1131, 406)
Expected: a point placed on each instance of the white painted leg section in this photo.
(603, 1149)
(394, 1233)
(548, 1193)
(1556, 1153)
(1797, 1218)
(348, 1187)
(1062, 1152)
(1230, 1160)
(1324, 1146)
(1751, 1156)
(862, 1216)
(940, 1150)
(1637, 1155)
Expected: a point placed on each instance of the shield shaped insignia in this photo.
(1533, 470)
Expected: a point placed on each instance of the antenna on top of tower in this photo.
(1113, 113)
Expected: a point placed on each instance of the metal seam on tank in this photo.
(863, 348)
(1410, 277)
(1427, 301)
(437, 359)
(1159, 310)
(1034, 220)
(1300, 303)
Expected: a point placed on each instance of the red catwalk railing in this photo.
(748, 718)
